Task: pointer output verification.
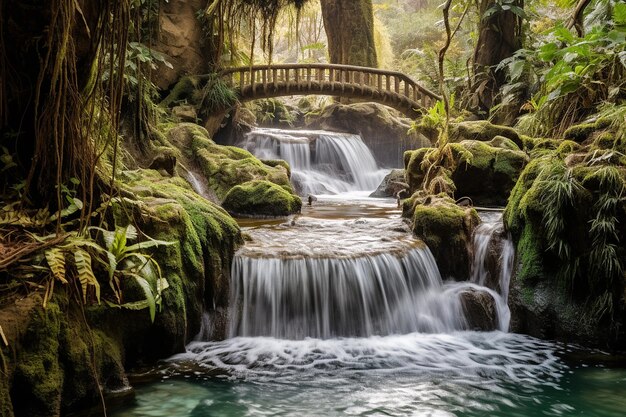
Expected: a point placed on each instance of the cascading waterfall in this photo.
(491, 246)
(382, 294)
(321, 162)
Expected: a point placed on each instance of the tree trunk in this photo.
(349, 26)
(49, 83)
(500, 35)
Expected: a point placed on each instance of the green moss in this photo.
(413, 167)
(277, 163)
(183, 91)
(530, 256)
(583, 131)
(91, 360)
(446, 228)
(37, 370)
(263, 198)
(484, 131)
(197, 267)
(226, 166)
(566, 147)
(605, 140)
(504, 143)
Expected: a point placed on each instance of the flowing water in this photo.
(321, 162)
(340, 311)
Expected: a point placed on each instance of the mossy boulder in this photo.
(447, 230)
(60, 364)
(261, 198)
(485, 173)
(581, 132)
(484, 131)
(225, 166)
(197, 268)
(414, 173)
(564, 218)
(475, 169)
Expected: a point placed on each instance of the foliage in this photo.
(567, 220)
(131, 262)
(69, 258)
(217, 96)
(574, 74)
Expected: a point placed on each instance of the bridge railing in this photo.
(310, 75)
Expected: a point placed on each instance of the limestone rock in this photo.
(185, 113)
(391, 185)
(480, 310)
(447, 230)
(182, 40)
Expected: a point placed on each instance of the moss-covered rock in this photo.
(570, 251)
(581, 132)
(225, 166)
(38, 377)
(58, 363)
(447, 230)
(413, 170)
(483, 131)
(261, 198)
(197, 268)
(477, 170)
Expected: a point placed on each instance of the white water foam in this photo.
(462, 356)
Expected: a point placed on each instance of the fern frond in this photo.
(82, 259)
(56, 261)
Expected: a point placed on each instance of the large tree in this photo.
(500, 35)
(349, 26)
(52, 62)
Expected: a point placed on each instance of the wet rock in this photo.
(391, 185)
(447, 230)
(480, 310)
(383, 130)
(226, 166)
(164, 162)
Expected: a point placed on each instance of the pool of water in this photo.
(458, 374)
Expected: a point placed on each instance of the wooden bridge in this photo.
(390, 88)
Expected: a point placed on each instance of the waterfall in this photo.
(321, 162)
(492, 266)
(321, 297)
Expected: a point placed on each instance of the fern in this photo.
(56, 261)
(86, 276)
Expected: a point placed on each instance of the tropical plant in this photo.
(125, 261)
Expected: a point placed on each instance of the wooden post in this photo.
(275, 78)
(396, 85)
